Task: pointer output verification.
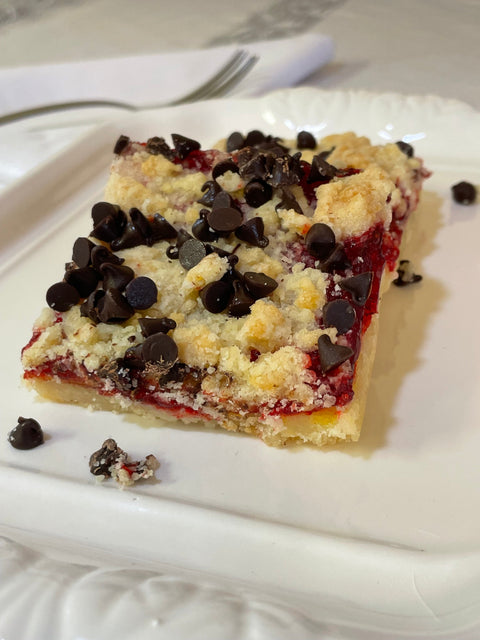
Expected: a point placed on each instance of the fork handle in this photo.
(63, 106)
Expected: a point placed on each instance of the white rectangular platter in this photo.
(381, 535)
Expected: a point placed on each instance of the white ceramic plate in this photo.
(379, 539)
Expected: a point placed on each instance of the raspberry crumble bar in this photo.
(237, 286)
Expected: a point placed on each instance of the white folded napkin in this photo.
(154, 79)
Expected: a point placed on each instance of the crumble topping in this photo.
(110, 461)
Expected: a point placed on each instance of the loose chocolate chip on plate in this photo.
(258, 285)
(406, 275)
(100, 461)
(223, 166)
(62, 296)
(121, 144)
(320, 240)
(257, 192)
(150, 326)
(84, 279)
(141, 292)
(241, 302)
(184, 146)
(359, 286)
(101, 254)
(253, 232)
(113, 307)
(305, 140)
(235, 141)
(464, 192)
(405, 148)
(339, 314)
(215, 296)
(332, 355)
(81, 254)
(160, 349)
(116, 276)
(191, 253)
(27, 434)
(224, 219)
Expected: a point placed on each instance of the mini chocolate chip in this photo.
(141, 222)
(241, 302)
(320, 240)
(235, 141)
(149, 326)
(210, 189)
(101, 254)
(100, 461)
(89, 309)
(27, 434)
(288, 201)
(359, 286)
(160, 349)
(253, 232)
(121, 144)
(84, 279)
(222, 200)
(406, 275)
(286, 170)
(405, 148)
(191, 253)
(337, 260)
(224, 219)
(113, 307)
(162, 229)
(184, 146)
(157, 146)
(132, 358)
(81, 254)
(116, 275)
(215, 296)
(257, 192)
(305, 140)
(339, 314)
(464, 192)
(332, 355)
(321, 170)
(254, 137)
(202, 231)
(141, 292)
(172, 252)
(258, 285)
(131, 237)
(62, 296)
(223, 166)
(102, 210)
(109, 228)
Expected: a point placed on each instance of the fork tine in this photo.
(223, 88)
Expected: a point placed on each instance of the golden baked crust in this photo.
(256, 370)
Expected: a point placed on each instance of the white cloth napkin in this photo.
(151, 79)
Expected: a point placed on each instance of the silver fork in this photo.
(232, 72)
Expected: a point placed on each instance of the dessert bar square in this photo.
(237, 286)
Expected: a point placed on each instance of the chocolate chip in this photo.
(116, 276)
(257, 192)
(27, 434)
(359, 286)
(62, 296)
(131, 237)
(82, 249)
(109, 228)
(141, 222)
(288, 201)
(258, 285)
(102, 210)
(406, 275)
(172, 252)
(132, 358)
(332, 355)
(405, 148)
(320, 240)
(241, 302)
(305, 140)
(253, 232)
(223, 166)
(157, 146)
(235, 141)
(162, 229)
(141, 292)
(464, 192)
(100, 461)
(160, 349)
(184, 146)
(202, 231)
(150, 326)
(321, 170)
(254, 137)
(113, 307)
(89, 309)
(224, 219)
(222, 200)
(84, 279)
(286, 170)
(339, 314)
(191, 253)
(337, 260)
(121, 144)
(215, 296)
(210, 189)
(101, 254)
